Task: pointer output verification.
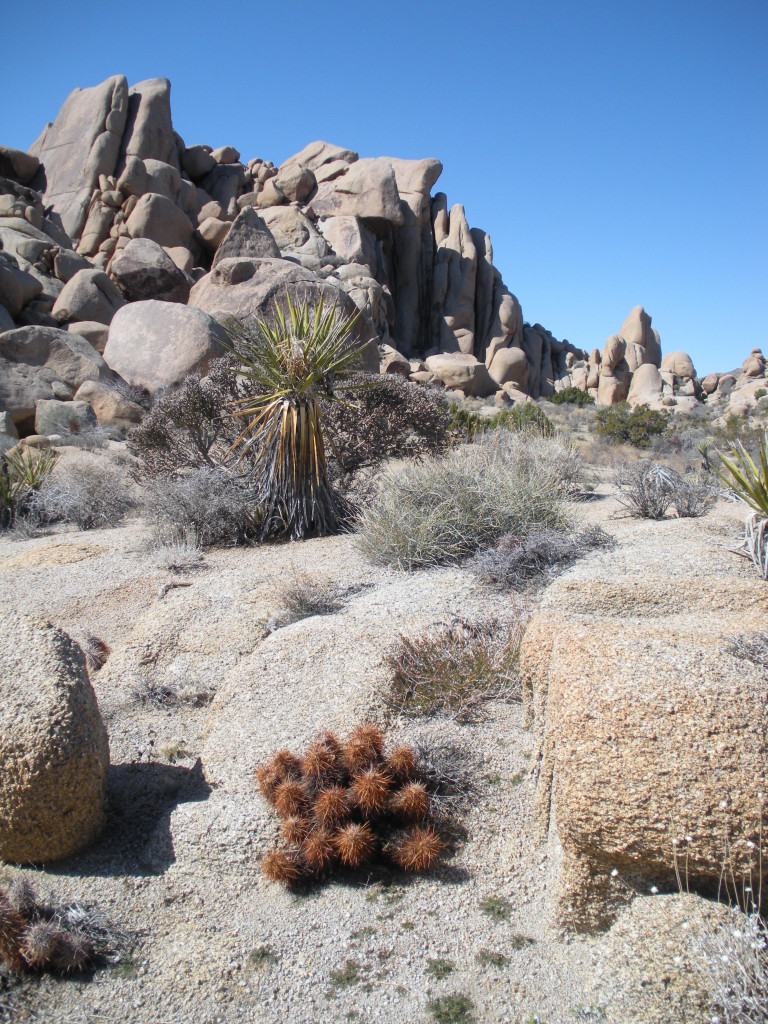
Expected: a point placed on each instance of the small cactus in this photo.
(346, 804)
(35, 936)
(354, 844)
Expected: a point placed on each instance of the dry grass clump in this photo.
(731, 958)
(647, 490)
(347, 803)
(443, 509)
(454, 668)
(39, 936)
(518, 560)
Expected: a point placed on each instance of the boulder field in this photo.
(110, 207)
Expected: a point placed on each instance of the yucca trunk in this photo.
(293, 479)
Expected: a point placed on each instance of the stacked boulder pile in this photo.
(122, 250)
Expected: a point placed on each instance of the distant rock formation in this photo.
(111, 205)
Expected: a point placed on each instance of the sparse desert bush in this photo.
(515, 561)
(454, 669)
(443, 509)
(645, 489)
(731, 958)
(22, 473)
(452, 1009)
(625, 424)
(185, 428)
(83, 495)
(291, 366)
(205, 506)
(693, 496)
(526, 416)
(37, 936)
(377, 417)
(301, 596)
(749, 481)
(571, 396)
(347, 803)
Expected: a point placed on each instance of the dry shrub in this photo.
(443, 509)
(348, 803)
(647, 490)
(384, 416)
(731, 958)
(455, 668)
(518, 560)
(205, 506)
(82, 494)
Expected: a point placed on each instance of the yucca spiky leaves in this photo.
(288, 364)
(345, 803)
(749, 481)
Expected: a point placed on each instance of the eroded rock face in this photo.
(650, 724)
(54, 752)
(143, 270)
(82, 143)
(38, 362)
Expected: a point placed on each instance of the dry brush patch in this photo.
(346, 804)
(455, 668)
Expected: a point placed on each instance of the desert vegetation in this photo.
(347, 803)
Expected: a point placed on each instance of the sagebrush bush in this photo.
(205, 506)
(515, 561)
(626, 424)
(443, 509)
(185, 427)
(571, 396)
(346, 803)
(526, 416)
(84, 495)
(454, 668)
(37, 935)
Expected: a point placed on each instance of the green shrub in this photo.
(760, 393)
(443, 509)
(526, 416)
(571, 396)
(627, 425)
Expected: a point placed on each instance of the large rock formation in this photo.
(651, 721)
(112, 183)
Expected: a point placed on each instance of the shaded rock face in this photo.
(54, 752)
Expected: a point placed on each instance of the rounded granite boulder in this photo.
(54, 750)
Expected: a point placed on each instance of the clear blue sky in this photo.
(616, 152)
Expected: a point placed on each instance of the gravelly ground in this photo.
(207, 937)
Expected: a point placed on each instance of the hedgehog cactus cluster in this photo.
(345, 804)
(35, 937)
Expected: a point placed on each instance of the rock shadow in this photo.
(137, 839)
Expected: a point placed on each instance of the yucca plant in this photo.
(21, 473)
(287, 366)
(749, 481)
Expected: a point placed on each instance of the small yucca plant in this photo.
(749, 481)
(21, 473)
(288, 366)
